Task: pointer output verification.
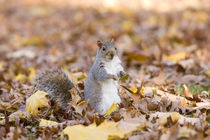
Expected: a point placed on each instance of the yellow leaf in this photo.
(185, 132)
(142, 127)
(36, 101)
(137, 57)
(80, 103)
(133, 89)
(66, 68)
(184, 103)
(177, 56)
(76, 76)
(142, 90)
(21, 77)
(174, 116)
(33, 41)
(154, 91)
(1, 117)
(127, 26)
(32, 73)
(111, 109)
(4, 105)
(44, 122)
(1, 64)
(93, 132)
(40, 11)
(207, 73)
(202, 16)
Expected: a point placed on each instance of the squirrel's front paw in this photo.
(121, 74)
(114, 77)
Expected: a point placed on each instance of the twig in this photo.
(127, 89)
(7, 126)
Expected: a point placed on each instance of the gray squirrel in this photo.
(101, 85)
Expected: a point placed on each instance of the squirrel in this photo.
(101, 85)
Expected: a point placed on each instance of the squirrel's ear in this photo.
(112, 40)
(99, 43)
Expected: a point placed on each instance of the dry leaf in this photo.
(175, 116)
(137, 57)
(33, 41)
(111, 109)
(16, 115)
(142, 90)
(177, 56)
(77, 76)
(1, 64)
(134, 89)
(21, 77)
(207, 73)
(36, 101)
(127, 26)
(187, 93)
(186, 132)
(93, 132)
(32, 73)
(44, 122)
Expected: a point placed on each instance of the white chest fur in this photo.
(114, 66)
(110, 87)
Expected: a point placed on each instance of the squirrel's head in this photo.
(107, 50)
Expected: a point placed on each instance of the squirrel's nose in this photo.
(111, 54)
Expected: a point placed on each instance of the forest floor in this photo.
(166, 93)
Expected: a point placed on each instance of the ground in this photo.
(164, 50)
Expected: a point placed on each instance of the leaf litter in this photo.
(166, 55)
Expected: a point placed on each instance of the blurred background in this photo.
(164, 42)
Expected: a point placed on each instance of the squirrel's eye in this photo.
(103, 49)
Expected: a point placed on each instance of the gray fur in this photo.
(97, 75)
(57, 83)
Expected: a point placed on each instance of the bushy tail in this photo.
(57, 83)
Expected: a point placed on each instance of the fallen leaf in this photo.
(77, 76)
(127, 26)
(36, 101)
(1, 64)
(111, 109)
(137, 57)
(134, 89)
(16, 115)
(177, 56)
(187, 93)
(129, 124)
(32, 73)
(44, 122)
(175, 116)
(21, 77)
(93, 132)
(142, 90)
(33, 41)
(186, 132)
(207, 73)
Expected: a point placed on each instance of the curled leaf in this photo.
(36, 101)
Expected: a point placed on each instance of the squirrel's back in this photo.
(57, 83)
